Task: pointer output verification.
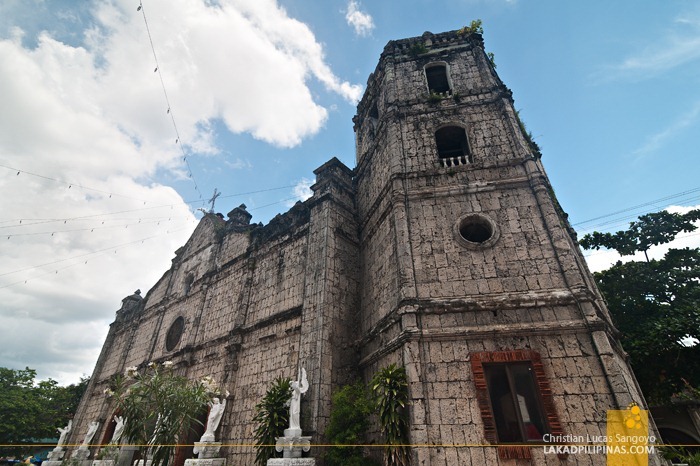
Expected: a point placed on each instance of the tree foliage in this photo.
(655, 303)
(390, 388)
(159, 407)
(350, 411)
(32, 410)
(650, 230)
(271, 417)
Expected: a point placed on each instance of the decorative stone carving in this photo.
(216, 411)
(83, 453)
(92, 428)
(299, 387)
(207, 449)
(118, 430)
(64, 433)
(57, 453)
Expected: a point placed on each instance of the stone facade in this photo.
(448, 256)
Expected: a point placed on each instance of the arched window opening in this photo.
(438, 82)
(452, 146)
(189, 280)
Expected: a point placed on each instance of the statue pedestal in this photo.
(291, 446)
(291, 462)
(103, 463)
(206, 455)
(56, 455)
(81, 454)
(206, 450)
(205, 462)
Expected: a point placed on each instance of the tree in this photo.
(655, 303)
(271, 417)
(349, 420)
(159, 406)
(33, 410)
(390, 388)
(650, 230)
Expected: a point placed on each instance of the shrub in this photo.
(390, 388)
(351, 407)
(159, 406)
(271, 417)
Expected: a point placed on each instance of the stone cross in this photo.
(213, 200)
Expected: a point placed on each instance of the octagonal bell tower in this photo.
(470, 275)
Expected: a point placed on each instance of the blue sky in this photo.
(95, 190)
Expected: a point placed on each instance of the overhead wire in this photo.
(56, 270)
(36, 221)
(684, 197)
(79, 256)
(178, 139)
(69, 183)
(107, 248)
(157, 221)
(644, 204)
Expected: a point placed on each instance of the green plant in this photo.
(271, 417)
(33, 409)
(390, 388)
(159, 406)
(534, 147)
(71, 462)
(417, 48)
(435, 98)
(492, 59)
(680, 455)
(110, 452)
(351, 407)
(655, 302)
(474, 27)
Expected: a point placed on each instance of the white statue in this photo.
(64, 433)
(216, 411)
(92, 428)
(298, 387)
(118, 430)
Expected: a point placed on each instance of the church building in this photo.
(443, 251)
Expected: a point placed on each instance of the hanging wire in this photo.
(178, 139)
(21, 222)
(70, 184)
(54, 271)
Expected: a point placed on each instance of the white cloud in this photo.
(94, 116)
(361, 22)
(677, 46)
(301, 191)
(657, 140)
(238, 164)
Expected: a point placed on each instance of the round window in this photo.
(477, 230)
(172, 338)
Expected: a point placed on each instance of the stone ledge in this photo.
(205, 462)
(291, 462)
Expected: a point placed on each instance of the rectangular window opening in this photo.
(515, 401)
(437, 79)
